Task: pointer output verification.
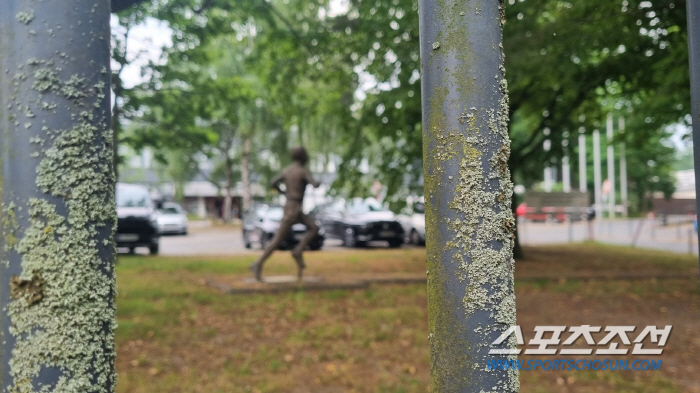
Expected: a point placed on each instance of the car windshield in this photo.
(274, 213)
(333, 207)
(366, 206)
(132, 197)
(170, 210)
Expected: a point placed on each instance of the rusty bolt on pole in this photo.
(57, 198)
(470, 226)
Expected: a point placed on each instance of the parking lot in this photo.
(206, 239)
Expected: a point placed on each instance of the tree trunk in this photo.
(118, 90)
(245, 170)
(228, 199)
(179, 191)
(58, 214)
(300, 130)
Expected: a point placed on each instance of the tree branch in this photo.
(286, 22)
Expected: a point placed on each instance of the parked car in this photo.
(137, 224)
(413, 222)
(261, 222)
(359, 221)
(172, 219)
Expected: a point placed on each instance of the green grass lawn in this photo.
(177, 335)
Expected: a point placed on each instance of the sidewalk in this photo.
(680, 238)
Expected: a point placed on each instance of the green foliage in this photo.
(684, 160)
(570, 63)
(347, 85)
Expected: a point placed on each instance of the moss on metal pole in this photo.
(470, 225)
(57, 192)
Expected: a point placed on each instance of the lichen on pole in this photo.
(470, 225)
(57, 198)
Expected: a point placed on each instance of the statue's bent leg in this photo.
(311, 233)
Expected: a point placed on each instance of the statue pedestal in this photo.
(283, 280)
(235, 284)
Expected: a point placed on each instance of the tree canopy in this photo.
(343, 78)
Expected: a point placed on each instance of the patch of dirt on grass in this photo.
(639, 303)
(581, 260)
(350, 341)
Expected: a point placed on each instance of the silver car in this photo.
(413, 222)
(172, 219)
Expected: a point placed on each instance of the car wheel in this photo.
(153, 249)
(415, 238)
(265, 239)
(316, 244)
(350, 239)
(246, 242)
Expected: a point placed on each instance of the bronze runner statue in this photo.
(295, 178)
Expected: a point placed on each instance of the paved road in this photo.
(220, 240)
(217, 240)
(675, 237)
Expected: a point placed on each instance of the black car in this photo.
(359, 221)
(137, 225)
(261, 221)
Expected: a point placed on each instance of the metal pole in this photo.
(566, 173)
(690, 242)
(565, 167)
(611, 167)
(597, 174)
(582, 164)
(637, 233)
(693, 8)
(623, 170)
(470, 226)
(548, 178)
(57, 191)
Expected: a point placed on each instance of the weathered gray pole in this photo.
(623, 169)
(693, 8)
(57, 190)
(582, 163)
(611, 166)
(565, 165)
(597, 182)
(470, 226)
